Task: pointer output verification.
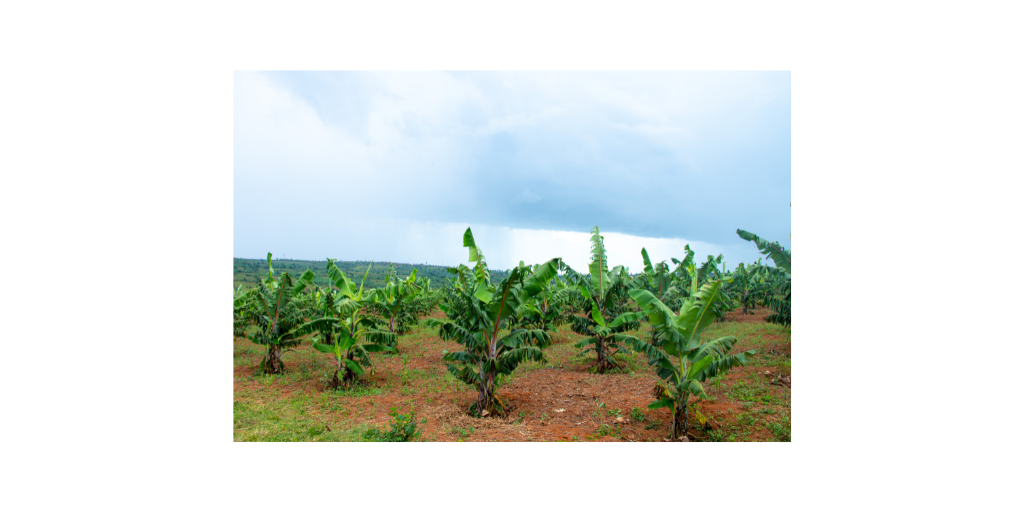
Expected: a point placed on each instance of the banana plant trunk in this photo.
(602, 362)
(339, 376)
(391, 327)
(485, 400)
(273, 363)
(679, 420)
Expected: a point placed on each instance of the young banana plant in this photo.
(478, 313)
(665, 285)
(273, 307)
(394, 299)
(344, 330)
(744, 279)
(605, 296)
(682, 360)
(658, 278)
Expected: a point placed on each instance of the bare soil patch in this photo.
(557, 401)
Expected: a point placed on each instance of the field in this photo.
(554, 401)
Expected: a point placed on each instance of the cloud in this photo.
(661, 156)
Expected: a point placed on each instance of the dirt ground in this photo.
(556, 401)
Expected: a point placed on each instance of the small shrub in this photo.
(403, 428)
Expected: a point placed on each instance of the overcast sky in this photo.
(395, 166)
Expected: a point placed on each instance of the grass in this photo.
(286, 422)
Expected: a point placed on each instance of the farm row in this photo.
(600, 337)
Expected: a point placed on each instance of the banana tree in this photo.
(667, 286)
(546, 309)
(393, 300)
(780, 301)
(682, 360)
(478, 313)
(342, 329)
(744, 278)
(273, 307)
(605, 296)
(657, 278)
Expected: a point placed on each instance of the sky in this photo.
(394, 166)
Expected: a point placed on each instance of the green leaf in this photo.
(541, 277)
(339, 279)
(483, 293)
(468, 241)
(647, 261)
(664, 402)
(699, 366)
(345, 342)
(694, 388)
(586, 293)
(698, 313)
(327, 349)
(598, 263)
(773, 250)
(359, 295)
(624, 318)
(354, 366)
(658, 312)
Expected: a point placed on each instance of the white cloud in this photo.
(377, 165)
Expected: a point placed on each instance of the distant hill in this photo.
(247, 270)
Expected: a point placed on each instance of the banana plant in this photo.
(666, 285)
(273, 307)
(242, 303)
(780, 298)
(657, 278)
(682, 360)
(605, 319)
(342, 329)
(393, 300)
(478, 314)
(710, 271)
(774, 250)
(744, 279)
(547, 309)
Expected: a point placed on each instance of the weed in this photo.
(403, 428)
(745, 419)
(716, 436)
(780, 430)
(608, 430)
(462, 432)
(750, 392)
(637, 414)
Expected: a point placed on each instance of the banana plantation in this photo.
(680, 350)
